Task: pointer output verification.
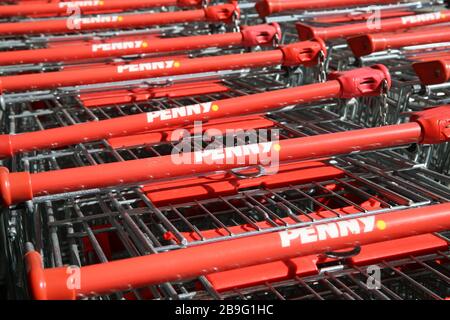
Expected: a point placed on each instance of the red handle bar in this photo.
(306, 53)
(88, 7)
(422, 57)
(433, 72)
(370, 43)
(226, 255)
(268, 7)
(384, 25)
(248, 37)
(359, 82)
(219, 13)
(431, 126)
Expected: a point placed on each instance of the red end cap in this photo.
(47, 284)
(361, 45)
(261, 34)
(5, 187)
(432, 72)
(189, 3)
(36, 278)
(266, 7)
(435, 124)
(303, 53)
(306, 32)
(14, 187)
(6, 149)
(224, 12)
(20, 183)
(360, 82)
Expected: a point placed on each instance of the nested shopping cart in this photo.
(78, 29)
(410, 56)
(207, 213)
(92, 190)
(397, 37)
(63, 8)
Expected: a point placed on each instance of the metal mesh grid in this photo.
(412, 278)
(67, 227)
(71, 228)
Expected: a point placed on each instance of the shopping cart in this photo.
(351, 84)
(360, 185)
(116, 47)
(350, 158)
(62, 8)
(304, 127)
(75, 30)
(294, 11)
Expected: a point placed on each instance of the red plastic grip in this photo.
(225, 13)
(435, 123)
(262, 34)
(370, 43)
(433, 72)
(303, 53)
(363, 81)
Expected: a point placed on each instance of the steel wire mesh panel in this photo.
(101, 225)
(71, 225)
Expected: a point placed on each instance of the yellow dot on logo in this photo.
(277, 147)
(215, 107)
(120, 19)
(144, 44)
(381, 224)
(101, 3)
(176, 64)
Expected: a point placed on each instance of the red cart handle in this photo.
(88, 7)
(432, 126)
(370, 43)
(54, 283)
(268, 7)
(385, 25)
(422, 57)
(248, 37)
(360, 82)
(300, 53)
(433, 72)
(360, 16)
(220, 13)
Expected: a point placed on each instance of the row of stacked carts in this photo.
(345, 196)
